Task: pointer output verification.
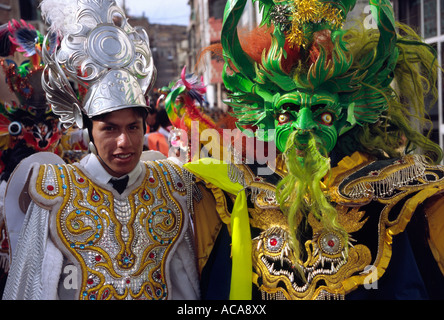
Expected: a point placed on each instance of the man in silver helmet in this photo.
(111, 226)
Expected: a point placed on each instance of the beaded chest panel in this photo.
(122, 246)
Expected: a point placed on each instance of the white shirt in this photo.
(92, 165)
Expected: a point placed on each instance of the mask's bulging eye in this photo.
(283, 118)
(327, 118)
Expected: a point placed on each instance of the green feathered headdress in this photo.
(310, 51)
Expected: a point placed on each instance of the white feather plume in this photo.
(60, 15)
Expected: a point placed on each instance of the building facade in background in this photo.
(204, 30)
(427, 18)
(21, 9)
(167, 42)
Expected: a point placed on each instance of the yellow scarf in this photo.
(216, 172)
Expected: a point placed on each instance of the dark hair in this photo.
(162, 118)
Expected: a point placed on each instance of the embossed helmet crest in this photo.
(101, 52)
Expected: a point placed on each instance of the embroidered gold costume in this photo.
(75, 237)
(120, 245)
(309, 86)
(375, 201)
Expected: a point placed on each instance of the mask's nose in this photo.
(304, 123)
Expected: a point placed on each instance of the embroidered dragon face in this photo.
(327, 262)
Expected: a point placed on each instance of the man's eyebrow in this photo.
(111, 123)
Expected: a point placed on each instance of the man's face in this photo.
(118, 138)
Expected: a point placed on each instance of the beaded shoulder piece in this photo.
(375, 201)
(385, 179)
(122, 246)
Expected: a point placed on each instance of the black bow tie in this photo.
(119, 184)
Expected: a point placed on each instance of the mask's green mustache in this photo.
(300, 191)
(304, 143)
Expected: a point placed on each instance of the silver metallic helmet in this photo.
(99, 51)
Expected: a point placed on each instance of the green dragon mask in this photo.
(321, 93)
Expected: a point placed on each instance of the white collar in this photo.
(95, 169)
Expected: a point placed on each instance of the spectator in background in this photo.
(159, 130)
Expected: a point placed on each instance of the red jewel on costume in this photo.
(105, 294)
(273, 242)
